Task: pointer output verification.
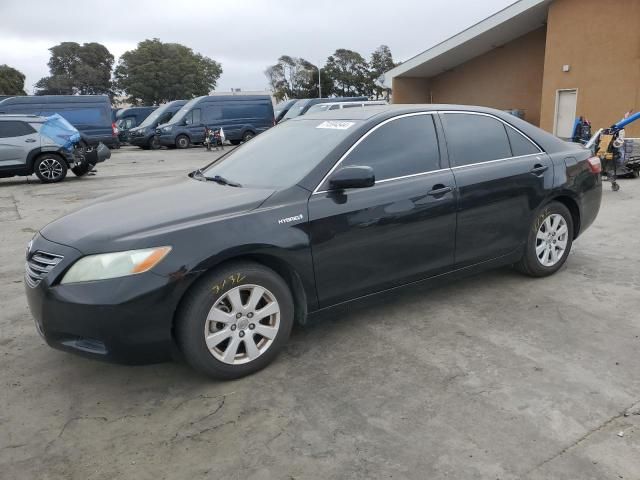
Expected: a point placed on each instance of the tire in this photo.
(50, 168)
(546, 239)
(154, 143)
(182, 142)
(248, 136)
(235, 142)
(229, 352)
(635, 174)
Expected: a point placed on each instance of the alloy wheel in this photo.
(551, 240)
(242, 324)
(50, 168)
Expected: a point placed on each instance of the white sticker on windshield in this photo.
(336, 125)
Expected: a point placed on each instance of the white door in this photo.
(566, 101)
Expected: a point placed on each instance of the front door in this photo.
(399, 230)
(502, 178)
(194, 125)
(566, 104)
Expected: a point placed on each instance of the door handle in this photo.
(30, 140)
(439, 190)
(539, 169)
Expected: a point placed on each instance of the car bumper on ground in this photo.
(124, 320)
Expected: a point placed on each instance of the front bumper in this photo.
(166, 140)
(140, 141)
(124, 320)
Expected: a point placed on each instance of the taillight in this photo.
(594, 165)
(114, 130)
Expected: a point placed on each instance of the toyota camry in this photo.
(321, 210)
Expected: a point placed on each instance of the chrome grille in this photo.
(39, 265)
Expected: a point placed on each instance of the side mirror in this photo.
(352, 177)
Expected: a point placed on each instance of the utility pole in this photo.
(319, 84)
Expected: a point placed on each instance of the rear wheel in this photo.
(182, 141)
(50, 168)
(549, 241)
(235, 320)
(248, 136)
(235, 142)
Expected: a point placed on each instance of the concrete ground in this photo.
(495, 377)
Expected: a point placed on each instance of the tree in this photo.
(381, 62)
(349, 73)
(157, 72)
(78, 69)
(293, 77)
(11, 81)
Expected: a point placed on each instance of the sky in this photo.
(246, 36)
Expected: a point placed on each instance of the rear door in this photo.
(400, 230)
(17, 139)
(502, 178)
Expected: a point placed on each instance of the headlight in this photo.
(114, 265)
(166, 129)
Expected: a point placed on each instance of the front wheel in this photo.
(50, 168)
(549, 241)
(182, 141)
(235, 320)
(154, 143)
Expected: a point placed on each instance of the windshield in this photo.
(318, 108)
(183, 111)
(282, 106)
(296, 108)
(153, 116)
(283, 155)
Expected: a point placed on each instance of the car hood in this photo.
(121, 222)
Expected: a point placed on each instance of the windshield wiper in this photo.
(199, 175)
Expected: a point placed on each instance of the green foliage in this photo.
(78, 69)
(346, 73)
(349, 72)
(381, 62)
(11, 81)
(293, 77)
(157, 72)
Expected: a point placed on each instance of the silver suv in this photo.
(24, 150)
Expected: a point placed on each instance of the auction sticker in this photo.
(336, 125)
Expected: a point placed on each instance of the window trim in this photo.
(505, 124)
(363, 137)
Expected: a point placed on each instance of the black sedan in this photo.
(317, 211)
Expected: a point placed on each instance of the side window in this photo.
(405, 146)
(15, 129)
(196, 117)
(475, 138)
(334, 107)
(520, 145)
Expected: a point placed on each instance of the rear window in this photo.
(475, 138)
(15, 129)
(255, 110)
(282, 156)
(520, 145)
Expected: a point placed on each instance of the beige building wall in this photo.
(410, 90)
(507, 77)
(600, 41)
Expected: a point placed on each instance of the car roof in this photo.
(23, 117)
(49, 99)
